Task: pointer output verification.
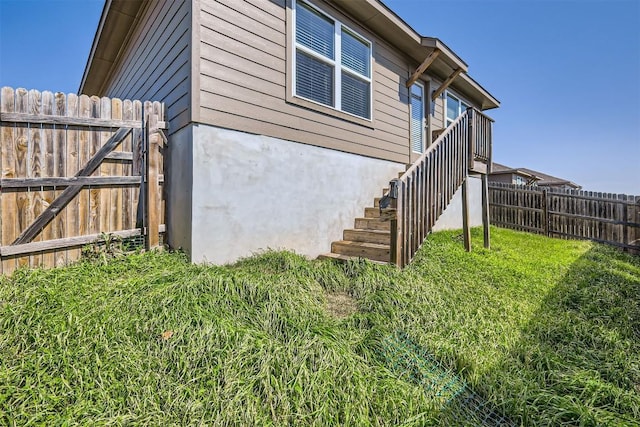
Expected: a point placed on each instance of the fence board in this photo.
(603, 217)
(48, 144)
(34, 199)
(60, 148)
(48, 157)
(8, 204)
(22, 156)
(104, 209)
(72, 166)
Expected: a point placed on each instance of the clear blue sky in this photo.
(566, 71)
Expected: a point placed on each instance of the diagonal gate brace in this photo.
(72, 191)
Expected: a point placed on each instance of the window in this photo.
(520, 180)
(417, 118)
(455, 107)
(332, 64)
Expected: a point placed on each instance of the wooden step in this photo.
(372, 212)
(376, 202)
(345, 258)
(372, 224)
(368, 236)
(372, 251)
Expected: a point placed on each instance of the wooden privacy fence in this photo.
(602, 217)
(74, 167)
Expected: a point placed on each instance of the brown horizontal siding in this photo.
(269, 128)
(243, 83)
(243, 14)
(242, 101)
(437, 121)
(156, 64)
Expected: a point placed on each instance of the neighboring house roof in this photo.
(498, 169)
(119, 19)
(541, 179)
(551, 181)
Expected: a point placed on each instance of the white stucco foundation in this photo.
(251, 192)
(451, 218)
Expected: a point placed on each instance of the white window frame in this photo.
(461, 109)
(336, 63)
(423, 124)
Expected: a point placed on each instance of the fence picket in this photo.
(116, 169)
(34, 198)
(48, 170)
(104, 194)
(60, 149)
(72, 166)
(8, 200)
(84, 141)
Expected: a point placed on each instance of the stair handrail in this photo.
(420, 195)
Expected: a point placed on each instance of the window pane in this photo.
(453, 106)
(314, 30)
(355, 54)
(417, 115)
(355, 96)
(314, 79)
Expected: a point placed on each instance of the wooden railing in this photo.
(482, 136)
(423, 192)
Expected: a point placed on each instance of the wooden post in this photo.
(634, 233)
(545, 213)
(395, 249)
(466, 231)
(153, 163)
(485, 211)
(471, 136)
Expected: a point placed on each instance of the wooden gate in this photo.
(75, 168)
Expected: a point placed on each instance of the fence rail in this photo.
(602, 217)
(74, 167)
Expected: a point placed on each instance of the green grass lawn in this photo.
(546, 331)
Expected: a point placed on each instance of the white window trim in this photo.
(423, 124)
(461, 101)
(336, 64)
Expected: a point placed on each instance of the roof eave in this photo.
(377, 16)
(454, 59)
(117, 21)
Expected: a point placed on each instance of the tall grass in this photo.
(546, 330)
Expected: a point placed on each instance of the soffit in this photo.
(116, 24)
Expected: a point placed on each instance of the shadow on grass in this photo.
(578, 359)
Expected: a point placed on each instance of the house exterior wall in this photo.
(243, 72)
(451, 218)
(506, 178)
(156, 62)
(178, 178)
(254, 192)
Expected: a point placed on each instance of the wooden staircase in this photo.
(415, 201)
(370, 238)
